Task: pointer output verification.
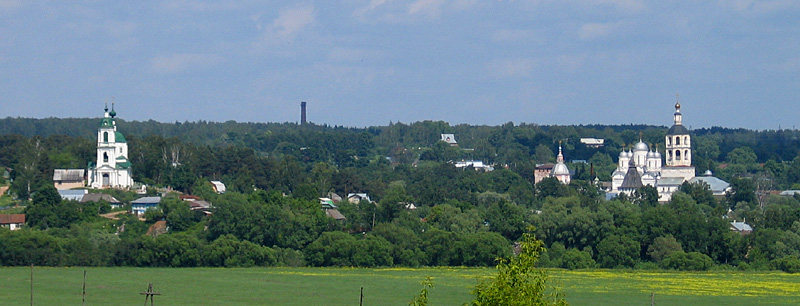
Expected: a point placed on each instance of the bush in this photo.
(692, 261)
(789, 264)
(576, 259)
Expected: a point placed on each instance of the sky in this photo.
(368, 63)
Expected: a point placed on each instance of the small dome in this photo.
(640, 146)
(708, 173)
(651, 154)
(560, 169)
(657, 154)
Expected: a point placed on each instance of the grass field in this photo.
(341, 286)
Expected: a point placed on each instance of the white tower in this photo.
(112, 169)
(678, 141)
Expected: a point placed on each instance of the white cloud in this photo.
(597, 30)
(430, 8)
(198, 6)
(292, 20)
(176, 63)
(516, 67)
(373, 4)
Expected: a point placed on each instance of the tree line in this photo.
(276, 172)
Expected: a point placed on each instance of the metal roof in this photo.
(147, 200)
(68, 174)
(716, 185)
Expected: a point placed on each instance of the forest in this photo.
(275, 173)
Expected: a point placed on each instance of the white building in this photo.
(560, 170)
(649, 170)
(112, 169)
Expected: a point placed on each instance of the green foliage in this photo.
(663, 247)
(577, 259)
(692, 261)
(518, 281)
(618, 251)
(789, 264)
(422, 298)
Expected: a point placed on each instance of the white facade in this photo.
(667, 178)
(112, 169)
(560, 170)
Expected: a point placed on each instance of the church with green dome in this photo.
(112, 169)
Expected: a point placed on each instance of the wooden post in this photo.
(361, 301)
(652, 299)
(83, 295)
(31, 284)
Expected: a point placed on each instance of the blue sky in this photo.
(361, 63)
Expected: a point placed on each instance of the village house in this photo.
(141, 205)
(12, 221)
(68, 178)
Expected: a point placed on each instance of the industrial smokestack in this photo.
(302, 113)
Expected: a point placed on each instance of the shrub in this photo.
(789, 264)
(692, 261)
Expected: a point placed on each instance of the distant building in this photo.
(593, 142)
(741, 227)
(648, 166)
(559, 170)
(97, 197)
(68, 178)
(542, 171)
(218, 186)
(718, 187)
(112, 169)
(355, 198)
(12, 221)
(476, 164)
(449, 139)
(73, 194)
(141, 205)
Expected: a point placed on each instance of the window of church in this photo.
(669, 141)
(105, 136)
(686, 140)
(677, 140)
(105, 157)
(677, 155)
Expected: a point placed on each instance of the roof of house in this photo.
(68, 174)
(147, 200)
(199, 204)
(218, 186)
(97, 197)
(741, 226)
(334, 213)
(592, 141)
(449, 138)
(72, 194)
(716, 185)
(12, 218)
(789, 192)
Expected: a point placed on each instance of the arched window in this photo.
(669, 155)
(686, 140)
(105, 136)
(686, 154)
(669, 141)
(678, 140)
(677, 155)
(105, 157)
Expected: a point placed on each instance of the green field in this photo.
(341, 286)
